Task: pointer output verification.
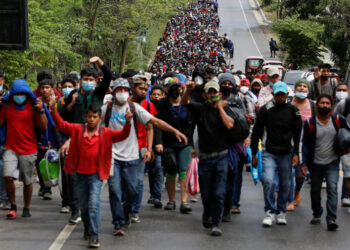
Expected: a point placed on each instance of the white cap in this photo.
(273, 71)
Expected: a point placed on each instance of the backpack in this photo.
(240, 130)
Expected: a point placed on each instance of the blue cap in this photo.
(280, 87)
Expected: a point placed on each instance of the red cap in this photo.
(245, 81)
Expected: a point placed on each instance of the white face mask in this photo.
(341, 95)
(122, 97)
(199, 80)
(244, 89)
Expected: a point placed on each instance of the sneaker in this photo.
(94, 243)
(119, 232)
(290, 207)
(150, 200)
(74, 218)
(26, 213)
(47, 196)
(235, 210)
(345, 202)
(324, 185)
(135, 218)
(185, 208)
(194, 199)
(157, 203)
(315, 221)
(226, 217)
(5, 205)
(332, 226)
(281, 219)
(171, 205)
(64, 210)
(269, 219)
(206, 221)
(215, 231)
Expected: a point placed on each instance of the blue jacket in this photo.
(309, 137)
(21, 86)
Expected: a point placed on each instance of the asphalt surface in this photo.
(160, 229)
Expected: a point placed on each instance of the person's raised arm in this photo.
(40, 115)
(102, 89)
(167, 128)
(185, 100)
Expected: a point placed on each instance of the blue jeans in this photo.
(156, 177)
(136, 206)
(124, 181)
(283, 165)
(344, 191)
(212, 173)
(88, 188)
(3, 194)
(331, 173)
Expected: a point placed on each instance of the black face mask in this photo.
(155, 102)
(324, 78)
(174, 93)
(256, 91)
(226, 90)
(323, 111)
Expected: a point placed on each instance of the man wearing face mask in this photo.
(21, 113)
(89, 92)
(320, 158)
(176, 155)
(228, 89)
(322, 83)
(265, 95)
(213, 124)
(342, 92)
(280, 123)
(126, 154)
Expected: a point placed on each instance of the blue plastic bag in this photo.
(257, 173)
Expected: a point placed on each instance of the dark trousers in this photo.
(212, 174)
(331, 173)
(69, 194)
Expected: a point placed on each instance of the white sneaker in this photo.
(324, 185)
(281, 219)
(64, 210)
(345, 202)
(269, 219)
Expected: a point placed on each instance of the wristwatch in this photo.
(41, 111)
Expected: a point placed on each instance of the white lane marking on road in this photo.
(62, 237)
(250, 32)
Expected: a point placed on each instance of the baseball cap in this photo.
(171, 81)
(280, 87)
(245, 81)
(211, 85)
(273, 71)
(120, 82)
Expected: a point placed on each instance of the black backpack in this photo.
(240, 130)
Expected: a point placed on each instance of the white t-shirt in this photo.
(128, 149)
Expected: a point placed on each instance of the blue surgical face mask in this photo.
(66, 91)
(301, 95)
(19, 99)
(88, 86)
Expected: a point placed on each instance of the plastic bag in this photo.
(50, 168)
(191, 181)
(257, 173)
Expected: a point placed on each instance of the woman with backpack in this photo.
(307, 109)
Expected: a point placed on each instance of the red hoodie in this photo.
(107, 138)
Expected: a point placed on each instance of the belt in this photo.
(203, 156)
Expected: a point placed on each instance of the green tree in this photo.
(300, 38)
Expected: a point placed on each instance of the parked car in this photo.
(291, 76)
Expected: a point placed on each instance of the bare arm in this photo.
(40, 116)
(185, 100)
(167, 128)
